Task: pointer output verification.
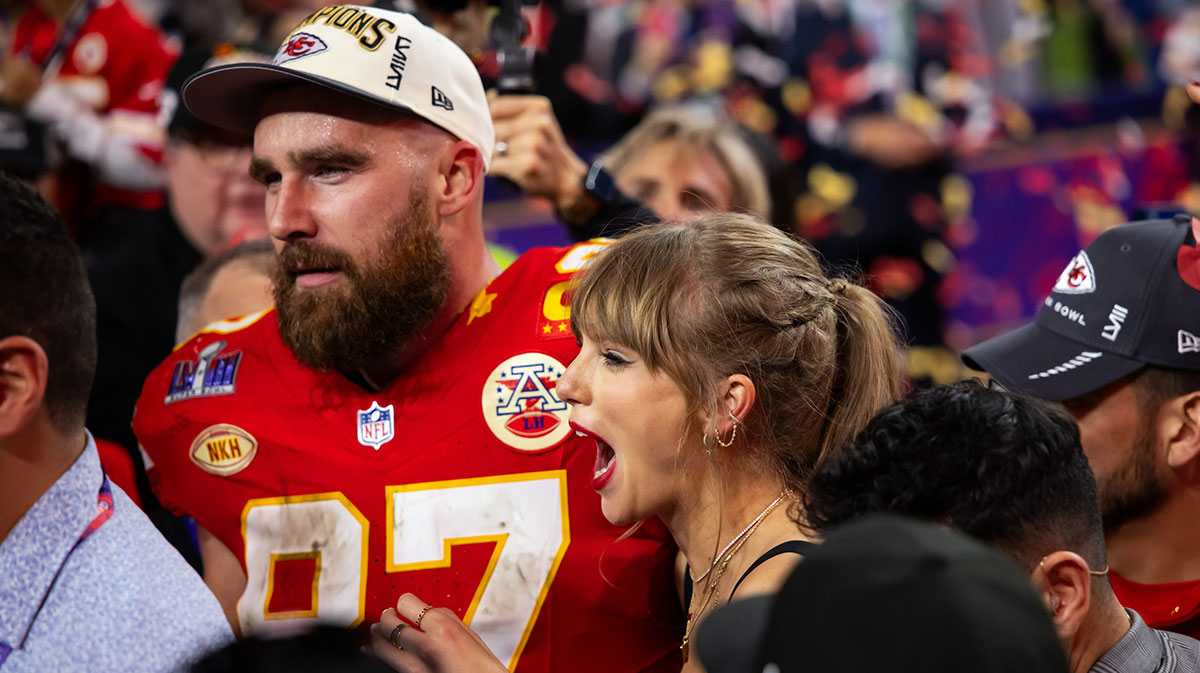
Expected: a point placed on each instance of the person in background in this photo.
(86, 582)
(679, 163)
(1117, 342)
(92, 72)
(233, 284)
(1009, 471)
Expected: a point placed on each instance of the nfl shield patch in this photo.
(375, 425)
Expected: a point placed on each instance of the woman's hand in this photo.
(429, 639)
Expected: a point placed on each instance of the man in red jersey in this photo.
(1116, 342)
(393, 425)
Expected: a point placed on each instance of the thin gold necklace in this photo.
(739, 536)
(723, 559)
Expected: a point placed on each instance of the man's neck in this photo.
(382, 372)
(1105, 624)
(31, 460)
(1161, 546)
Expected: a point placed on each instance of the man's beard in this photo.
(387, 303)
(1135, 488)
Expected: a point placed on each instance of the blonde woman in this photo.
(718, 366)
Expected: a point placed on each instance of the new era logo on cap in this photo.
(1078, 277)
(440, 99)
(299, 45)
(1188, 342)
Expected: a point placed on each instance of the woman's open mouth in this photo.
(606, 458)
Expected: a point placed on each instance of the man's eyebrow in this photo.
(259, 168)
(333, 154)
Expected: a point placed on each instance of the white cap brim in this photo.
(230, 96)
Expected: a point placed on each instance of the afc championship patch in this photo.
(223, 449)
(520, 404)
(211, 373)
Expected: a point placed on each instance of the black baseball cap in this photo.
(1129, 299)
(889, 593)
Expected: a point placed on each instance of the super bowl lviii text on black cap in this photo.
(1129, 299)
(888, 593)
(387, 58)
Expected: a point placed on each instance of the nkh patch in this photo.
(223, 449)
(1078, 277)
(299, 45)
(520, 404)
(376, 426)
(209, 374)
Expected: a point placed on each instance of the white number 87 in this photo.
(524, 514)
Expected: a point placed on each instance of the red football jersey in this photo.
(459, 481)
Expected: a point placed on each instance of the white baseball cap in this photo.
(385, 57)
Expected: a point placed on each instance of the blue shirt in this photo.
(1146, 650)
(125, 600)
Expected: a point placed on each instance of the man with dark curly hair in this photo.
(1010, 471)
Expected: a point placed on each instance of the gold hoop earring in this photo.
(733, 436)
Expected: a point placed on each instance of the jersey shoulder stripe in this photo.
(227, 326)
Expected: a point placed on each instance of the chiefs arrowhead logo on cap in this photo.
(1078, 277)
(299, 45)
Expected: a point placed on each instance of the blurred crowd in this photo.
(864, 117)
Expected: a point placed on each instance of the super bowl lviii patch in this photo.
(223, 449)
(211, 373)
(520, 404)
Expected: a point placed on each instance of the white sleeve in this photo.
(113, 144)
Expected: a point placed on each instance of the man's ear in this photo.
(24, 368)
(1179, 424)
(1065, 586)
(461, 172)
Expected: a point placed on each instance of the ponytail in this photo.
(868, 365)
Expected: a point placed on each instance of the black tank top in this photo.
(800, 547)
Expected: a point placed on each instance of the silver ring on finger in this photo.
(395, 633)
(502, 148)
